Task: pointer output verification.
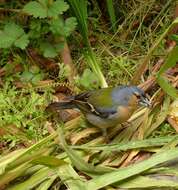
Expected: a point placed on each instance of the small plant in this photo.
(88, 80)
(46, 29)
(22, 113)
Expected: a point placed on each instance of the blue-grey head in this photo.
(123, 94)
(141, 96)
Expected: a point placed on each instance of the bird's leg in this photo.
(104, 132)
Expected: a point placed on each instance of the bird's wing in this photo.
(98, 102)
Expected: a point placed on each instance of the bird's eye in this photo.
(137, 95)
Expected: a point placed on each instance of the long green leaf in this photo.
(40, 176)
(151, 181)
(111, 11)
(124, 173)
(71, 179)
(171, 61)
(49, 161)
(152, 142)
(77, 161)
(79, 8)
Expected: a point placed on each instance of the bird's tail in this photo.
(60, 105)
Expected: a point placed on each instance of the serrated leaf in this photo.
(13, 34)
(37, 9)
(57, 7)
(26, 76)
(48, 50)
(70, 24)
(57, 26)
(5, 40)
(22, 42)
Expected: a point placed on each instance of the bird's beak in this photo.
(145, 102)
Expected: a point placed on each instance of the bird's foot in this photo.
(105, 135)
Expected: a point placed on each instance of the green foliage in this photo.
(110, 6)
(44, 9)
(24, 112)
(32, 75)
(88, 80)
(171, 61)
(79, 8)
(62, 28)
(13, 35)
(44, 27)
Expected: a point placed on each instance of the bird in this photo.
(106, 107)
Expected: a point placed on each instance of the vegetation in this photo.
(50, 49)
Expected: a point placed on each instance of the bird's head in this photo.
(141, 96)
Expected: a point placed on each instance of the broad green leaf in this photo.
(57, 26)
(48, 50)
(127, 172)
(88, 80)
(43, 8)
(36, 9)
(5, 40)
(13, 34)
(70, 25)
(22, 42)
(57, 7)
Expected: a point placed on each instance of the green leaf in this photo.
(36, 179)
(57, 26)
(132, 170)
(66, 172)
(70, 25)
(43, 8)
(49, 161)
(77, 161)
(6, 160)
(171, 61)
(167, 87)
(151, 181)
(13, 34)
(48, 50)
(137, 144)
(57, 7)
(22, 42)
(37, 9)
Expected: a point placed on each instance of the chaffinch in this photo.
(106, 107)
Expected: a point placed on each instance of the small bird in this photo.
(106, 107)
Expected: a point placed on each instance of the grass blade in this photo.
(111, 11)
(124, 173)
(152, 142)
